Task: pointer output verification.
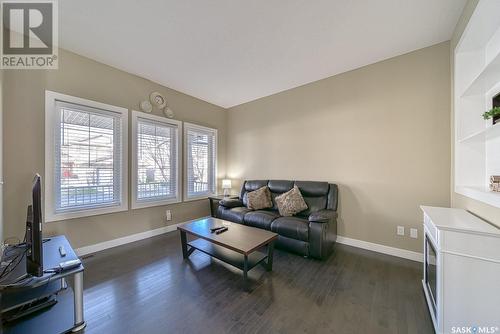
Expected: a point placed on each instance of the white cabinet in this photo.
(461, 271)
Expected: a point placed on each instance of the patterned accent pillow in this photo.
(259, 199)
(291, 202)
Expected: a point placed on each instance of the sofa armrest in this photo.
(322, 216)
(231, 202)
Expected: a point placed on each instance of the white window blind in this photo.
(156, 164)
(87, 158)
(201, 157)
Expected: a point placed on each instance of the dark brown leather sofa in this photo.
(312, 232)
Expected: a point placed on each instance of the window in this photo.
(155, 150)
(200, 161)
(85, 157)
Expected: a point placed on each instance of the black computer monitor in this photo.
(34, 239)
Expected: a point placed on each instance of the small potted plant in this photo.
(493, 113)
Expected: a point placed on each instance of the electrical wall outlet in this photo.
(168, 215)
(401, 230)
(414, 233)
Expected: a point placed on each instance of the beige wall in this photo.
(381, 132)
(480, 209)
(24, 142)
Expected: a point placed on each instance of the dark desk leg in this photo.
(245, 270)
(270, 249)
(185, 254)
(78, 302)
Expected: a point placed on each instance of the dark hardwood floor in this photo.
(146, 287)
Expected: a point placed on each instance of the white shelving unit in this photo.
(477, 81)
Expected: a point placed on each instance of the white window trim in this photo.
(145, 204)
(50, 135)
(185, 177)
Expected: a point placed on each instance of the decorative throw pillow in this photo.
(291, 202)
(259, 199)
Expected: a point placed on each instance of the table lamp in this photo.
(226, 185)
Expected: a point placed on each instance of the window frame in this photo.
(52, 119)
(136, 204)
(187, 127)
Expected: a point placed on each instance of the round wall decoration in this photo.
(168, 112)
(146, 106)
(158, 100)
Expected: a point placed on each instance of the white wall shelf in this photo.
(477, 81)
(484, 195)
(485, 80)
(482, 135)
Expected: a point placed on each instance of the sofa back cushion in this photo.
(251, 185)
(278, 187)
(317, 195)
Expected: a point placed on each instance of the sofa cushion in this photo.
(291, 202)
(315, 195)
(291, 227)
(313, 188)
(260, 218)
(259, 199)
(280, 186)
(234, 214)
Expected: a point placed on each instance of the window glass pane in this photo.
(201, 157)
(88, 155)
(156, 160)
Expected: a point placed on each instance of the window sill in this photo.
(84, 213)
(142, 205)
(198, 198)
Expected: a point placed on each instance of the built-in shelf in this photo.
(484, 134)
(476, 85)
(482, 194)
(486, 79)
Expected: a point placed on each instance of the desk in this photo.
(49, 283)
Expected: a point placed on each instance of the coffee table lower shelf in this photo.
(228, 256)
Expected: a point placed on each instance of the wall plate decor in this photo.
(168, 112)
(146, 106)
(158, 100)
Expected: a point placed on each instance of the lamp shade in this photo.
(226, 184)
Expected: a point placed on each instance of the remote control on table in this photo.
(222, 230)
(62, 251)
(214, 229)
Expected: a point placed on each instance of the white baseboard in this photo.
(405, 254)
(124, 240)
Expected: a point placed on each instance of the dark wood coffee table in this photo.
(239, 246)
